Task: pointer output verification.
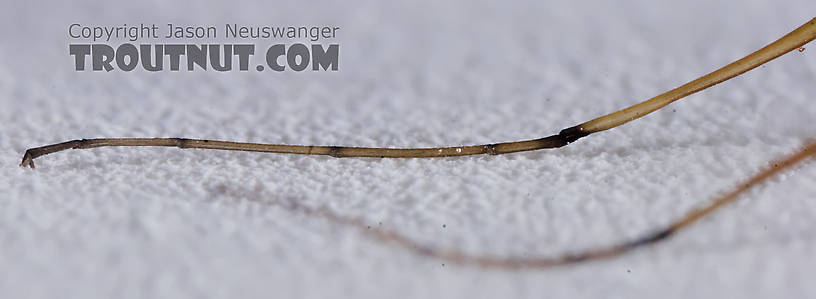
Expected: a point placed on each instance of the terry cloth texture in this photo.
(171, 223)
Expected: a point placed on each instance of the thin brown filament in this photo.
(793, 40)
(796, 39)
(458, 257)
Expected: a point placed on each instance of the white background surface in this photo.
(170, 223)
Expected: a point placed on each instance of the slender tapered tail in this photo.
(451, 255)
(795, 39)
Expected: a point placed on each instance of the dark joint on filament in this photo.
(335, 151)
(571, 134)
(651, 238)
(490, 149)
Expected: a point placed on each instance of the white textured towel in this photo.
(170, 223)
